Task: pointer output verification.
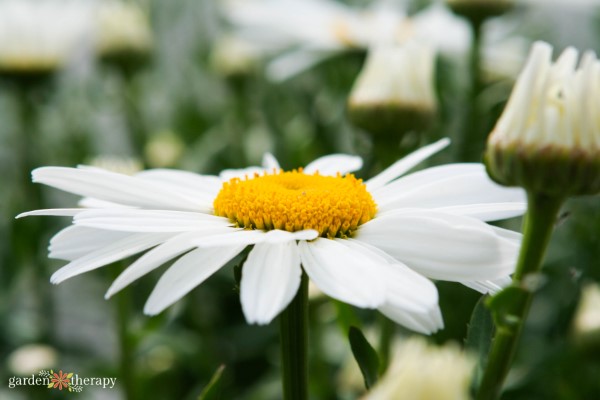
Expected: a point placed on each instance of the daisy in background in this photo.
(298, 34)
(42, 36)
(370, 244)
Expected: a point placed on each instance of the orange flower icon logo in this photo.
(60, 380)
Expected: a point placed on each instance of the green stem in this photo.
(293, 329)
(126, 345)
(539, 221)
(472, 142)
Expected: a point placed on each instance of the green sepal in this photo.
(365, 355)
(212, 391)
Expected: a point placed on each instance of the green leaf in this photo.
(212, 391)
(480, 333)
(365, 355)
(505, 305)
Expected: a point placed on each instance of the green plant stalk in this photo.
(293, 330)
(126, 342)
(472, 142)
(539, 222)
(386, 335)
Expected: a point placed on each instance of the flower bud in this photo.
(394, 93)
(547, 140)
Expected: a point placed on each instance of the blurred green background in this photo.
(175, 106)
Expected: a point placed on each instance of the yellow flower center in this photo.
(293, 201)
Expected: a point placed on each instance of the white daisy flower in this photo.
(302, 33)
(42, 36)
(369, 244)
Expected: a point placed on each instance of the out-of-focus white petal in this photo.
(270, 163)
(187, 273)
(343, 273)
(270, 280)
(115, 251)
(334, 164)
(401, 166)
(442, 246)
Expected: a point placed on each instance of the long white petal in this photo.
(56, 212)
(402, 166)
(115, 251)
(419, 321)
(185, 274)
(135, 220)
(118, 188)
(333, 164)
(270, 280)
(156, 257)
(76, 241)
(473, 187)
(270, 163)
(201, 187)
(343, 273)
(248, 237)
(442, 246)
(488, 211)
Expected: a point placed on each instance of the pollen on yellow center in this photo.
(293, 201)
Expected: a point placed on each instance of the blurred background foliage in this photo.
(175, 105)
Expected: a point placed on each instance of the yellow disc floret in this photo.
(293, 201)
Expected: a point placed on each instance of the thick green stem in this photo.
(293, 328)
(539, 221)
(386, 335)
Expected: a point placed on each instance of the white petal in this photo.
(343, 273)
(88, 202)
(118, 188)
(201, 187)
(241, 173)
(248, 237)
(488, 211)
(489, 286)
(295, 62)
(270, 280)
(419, 321)
(334, 164)
(115, 251)
(402, 166)
(77, 241)
(156, 257)
(135, 220)
(442, 246)
(57, 212)
(187, 273)
(269, 163)
(472, 186)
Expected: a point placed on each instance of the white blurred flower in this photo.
(32, 358)
(302, 33)
(42, 36)
(368, 244)
(121, 165)
(395, 89)
(422, 371)
(231, 56)
(122, 28)
(587, 317)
